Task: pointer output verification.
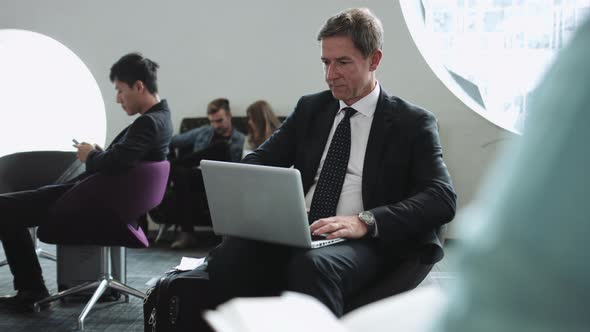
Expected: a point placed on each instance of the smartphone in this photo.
(75, 142)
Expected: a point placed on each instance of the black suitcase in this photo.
(177, 301)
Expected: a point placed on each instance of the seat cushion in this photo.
(99, 229)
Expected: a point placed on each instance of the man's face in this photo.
(221, 122)
(348, 73)
(128, 97)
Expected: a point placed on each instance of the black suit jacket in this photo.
(405, 182)
(146, 139)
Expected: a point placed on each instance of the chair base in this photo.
(101, 286)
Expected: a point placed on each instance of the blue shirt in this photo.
(200, 138)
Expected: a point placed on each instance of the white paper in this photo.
(186, 264)
(291, 312)
(413, 311)
(189, 263)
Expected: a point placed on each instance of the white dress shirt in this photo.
(351, 197)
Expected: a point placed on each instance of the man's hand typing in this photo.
(349, 227)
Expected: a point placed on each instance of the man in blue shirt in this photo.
(217, 141)
(220, 130)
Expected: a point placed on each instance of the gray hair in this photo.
(360, 24)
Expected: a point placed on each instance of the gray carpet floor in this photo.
(118, 316)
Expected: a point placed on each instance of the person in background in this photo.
(524, 260)
(262, 122)
(217, 141)
(219, 132)
(146, 139)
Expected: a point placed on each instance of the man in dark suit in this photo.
(146, 139)
(372, 170)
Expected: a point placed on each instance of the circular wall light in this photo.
(49, 96)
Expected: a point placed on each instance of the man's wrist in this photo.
(89, 155)
(368, 218)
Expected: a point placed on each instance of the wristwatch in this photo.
(369, 219)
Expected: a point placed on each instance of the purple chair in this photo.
(103, 210)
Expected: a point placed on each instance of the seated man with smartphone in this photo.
(146, 139)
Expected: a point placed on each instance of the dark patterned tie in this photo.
(327, 192)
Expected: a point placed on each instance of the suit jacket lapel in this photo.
(321, 125)
(383, 120)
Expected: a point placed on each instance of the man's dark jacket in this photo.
(146, 139)
(405, 182)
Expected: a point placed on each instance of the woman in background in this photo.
(262, 122)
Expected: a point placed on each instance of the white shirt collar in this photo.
(367, 104)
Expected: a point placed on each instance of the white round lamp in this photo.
(47, 96)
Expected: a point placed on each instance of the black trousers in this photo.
(18, 211)
(245, 268)
(191, 201)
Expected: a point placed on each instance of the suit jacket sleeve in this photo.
(127, 151)
(430, 198)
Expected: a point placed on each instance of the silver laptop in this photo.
(258, 202)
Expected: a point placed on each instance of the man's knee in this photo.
(246, 268)
(232, 258)
(318, 276)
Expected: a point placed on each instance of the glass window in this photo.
(497, 50)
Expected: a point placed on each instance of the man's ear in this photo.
(375, 60)
(139, 86)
